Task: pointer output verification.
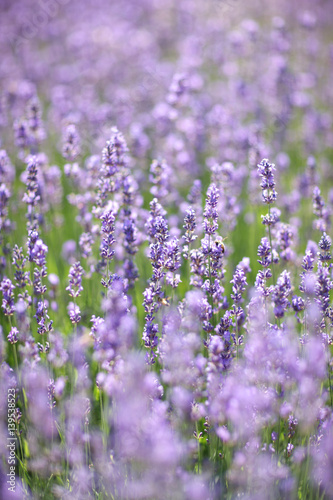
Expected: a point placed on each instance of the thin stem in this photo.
(270, 242)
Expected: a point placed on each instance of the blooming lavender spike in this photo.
(321, 211)
(285, 236)
(7, 288)
(239, 285)
(34, 122)
(108, 228)
(37, 250)
(325, 244)
(114, 155)
(71, 143)
(86, 242)
(189, 226)
(42, 318)
(75, 280)
(4, 198)
(323, 287)
(19, 261)
(32, 197)
(172, 255)
(74, 313)
(13, 335)
(267, 184)
(159, 176)
(264, 252)
(210, 212)
(281, 294)
(7, 171)
(272, 218)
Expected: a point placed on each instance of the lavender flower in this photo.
(159, 176)
(19, 261)
(4, 198)
(272, 218)
(32, 196)
(156, 210)
(323, 221)
(281, 294)
(74, 313)
(75, 280)
(210, 213)
(108, 228)
(264, 252)
(189, 226)
(13, 335)
(285, 236)
(325, 245)
(114, 155)
(7, 288)
(114, 164)
(71, 143)
(323, 287)
(86, 242)
(130, 231)
(7, 171)
(172, 255)
(38, 287)
(37, 249)
(266, 172)
(34, 122)
(194, 196)
(239, 285)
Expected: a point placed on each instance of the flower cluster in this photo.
(180, 348)
(75, 280)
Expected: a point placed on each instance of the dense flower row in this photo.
(166, 304)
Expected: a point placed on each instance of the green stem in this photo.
(199, 451)
(270, 242)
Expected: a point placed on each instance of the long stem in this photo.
(199, 452)
(270, 242)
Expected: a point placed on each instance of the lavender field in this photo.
(166, 196)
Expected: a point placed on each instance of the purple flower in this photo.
(160, 177)
(272, 218)
(7, 171)
(130, 231)
(323, 287)
(285, 236)
(325, 245)
(172, 255)
(322, 212)
(281, 293)
(264, 252)
(189, 226)
(4, 198)
(108, 229)
(210, 213)
(42, 318)
(114, 155)
(85, 243)
(31, 197)
(194, 196)
(75, 280)
(13, 335)
(37, 249)
(34, 122)
(19, 261)
(74, 313)
(7, 288)
(239, 285)
(267, 184)
(68, 250)
(71, 143)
